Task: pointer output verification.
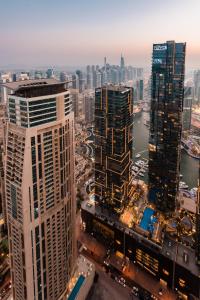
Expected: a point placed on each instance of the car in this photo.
(120, 281)
(135, 293)
(154, 297)
(160, 292)
(106, 263)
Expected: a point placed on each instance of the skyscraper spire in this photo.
(105, 62)
(122, 63)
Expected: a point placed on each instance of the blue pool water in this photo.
(76, 288)
(148, 220)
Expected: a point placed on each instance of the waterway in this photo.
(189, 165)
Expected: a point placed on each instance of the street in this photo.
(106, 288)
(134, 275)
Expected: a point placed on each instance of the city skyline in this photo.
(80, 33)
(100, 150)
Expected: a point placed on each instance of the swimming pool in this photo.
(76, 288)
(148, 220)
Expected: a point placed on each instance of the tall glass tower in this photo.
(168, 66)
(40, 189)
(113, 145)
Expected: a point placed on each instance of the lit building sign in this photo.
(160, 47)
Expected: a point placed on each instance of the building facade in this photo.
(197, 85)
(113, 145)
(40, 189)
(166, 262)
(198, 222)
(89, 108)
(168, 66)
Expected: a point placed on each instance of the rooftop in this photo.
(82, 279)
(35, 88)
(177, 251)
(15, 85)
(116, 88)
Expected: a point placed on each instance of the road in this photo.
(134, 275)
(107, 288)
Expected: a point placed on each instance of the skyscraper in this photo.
(3, 92)
(113, 145)
(140, 89)
(168, 67)
(197, 85)
(122, 62)
(89, 108)
(40, 189)
(74, 93)
(89, 77)
(80, 80)
(50, 73)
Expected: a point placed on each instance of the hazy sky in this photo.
(80, 32)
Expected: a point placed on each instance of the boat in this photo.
(141, 174)
(138, 155)
(193, 191)
(135, 168)
(140, 163)
(181, 175)
(183, 185)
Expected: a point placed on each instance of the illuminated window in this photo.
(165, 272)
(152, 148)
(181, 282)
(118, 242)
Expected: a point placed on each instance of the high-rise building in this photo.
(187, 113)
(140, 89)
(63, 76)
(40, 189)
(139, 72)
(89, 77)
(113, 145)
(3, 91)
(105, 63)
(74, 93)
(75, 81)
(80, 80)
(50, 73)
(168, 66)
(98, 79)
(122, 62)
(197, 85)
(2, 151)
(23, 76)
(89, 108)
(38, 74)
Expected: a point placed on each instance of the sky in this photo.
(81, 32)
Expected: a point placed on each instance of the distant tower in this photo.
(50, 73)
(80, 80)
(122, 63)
(168, 67)
(105, 63)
